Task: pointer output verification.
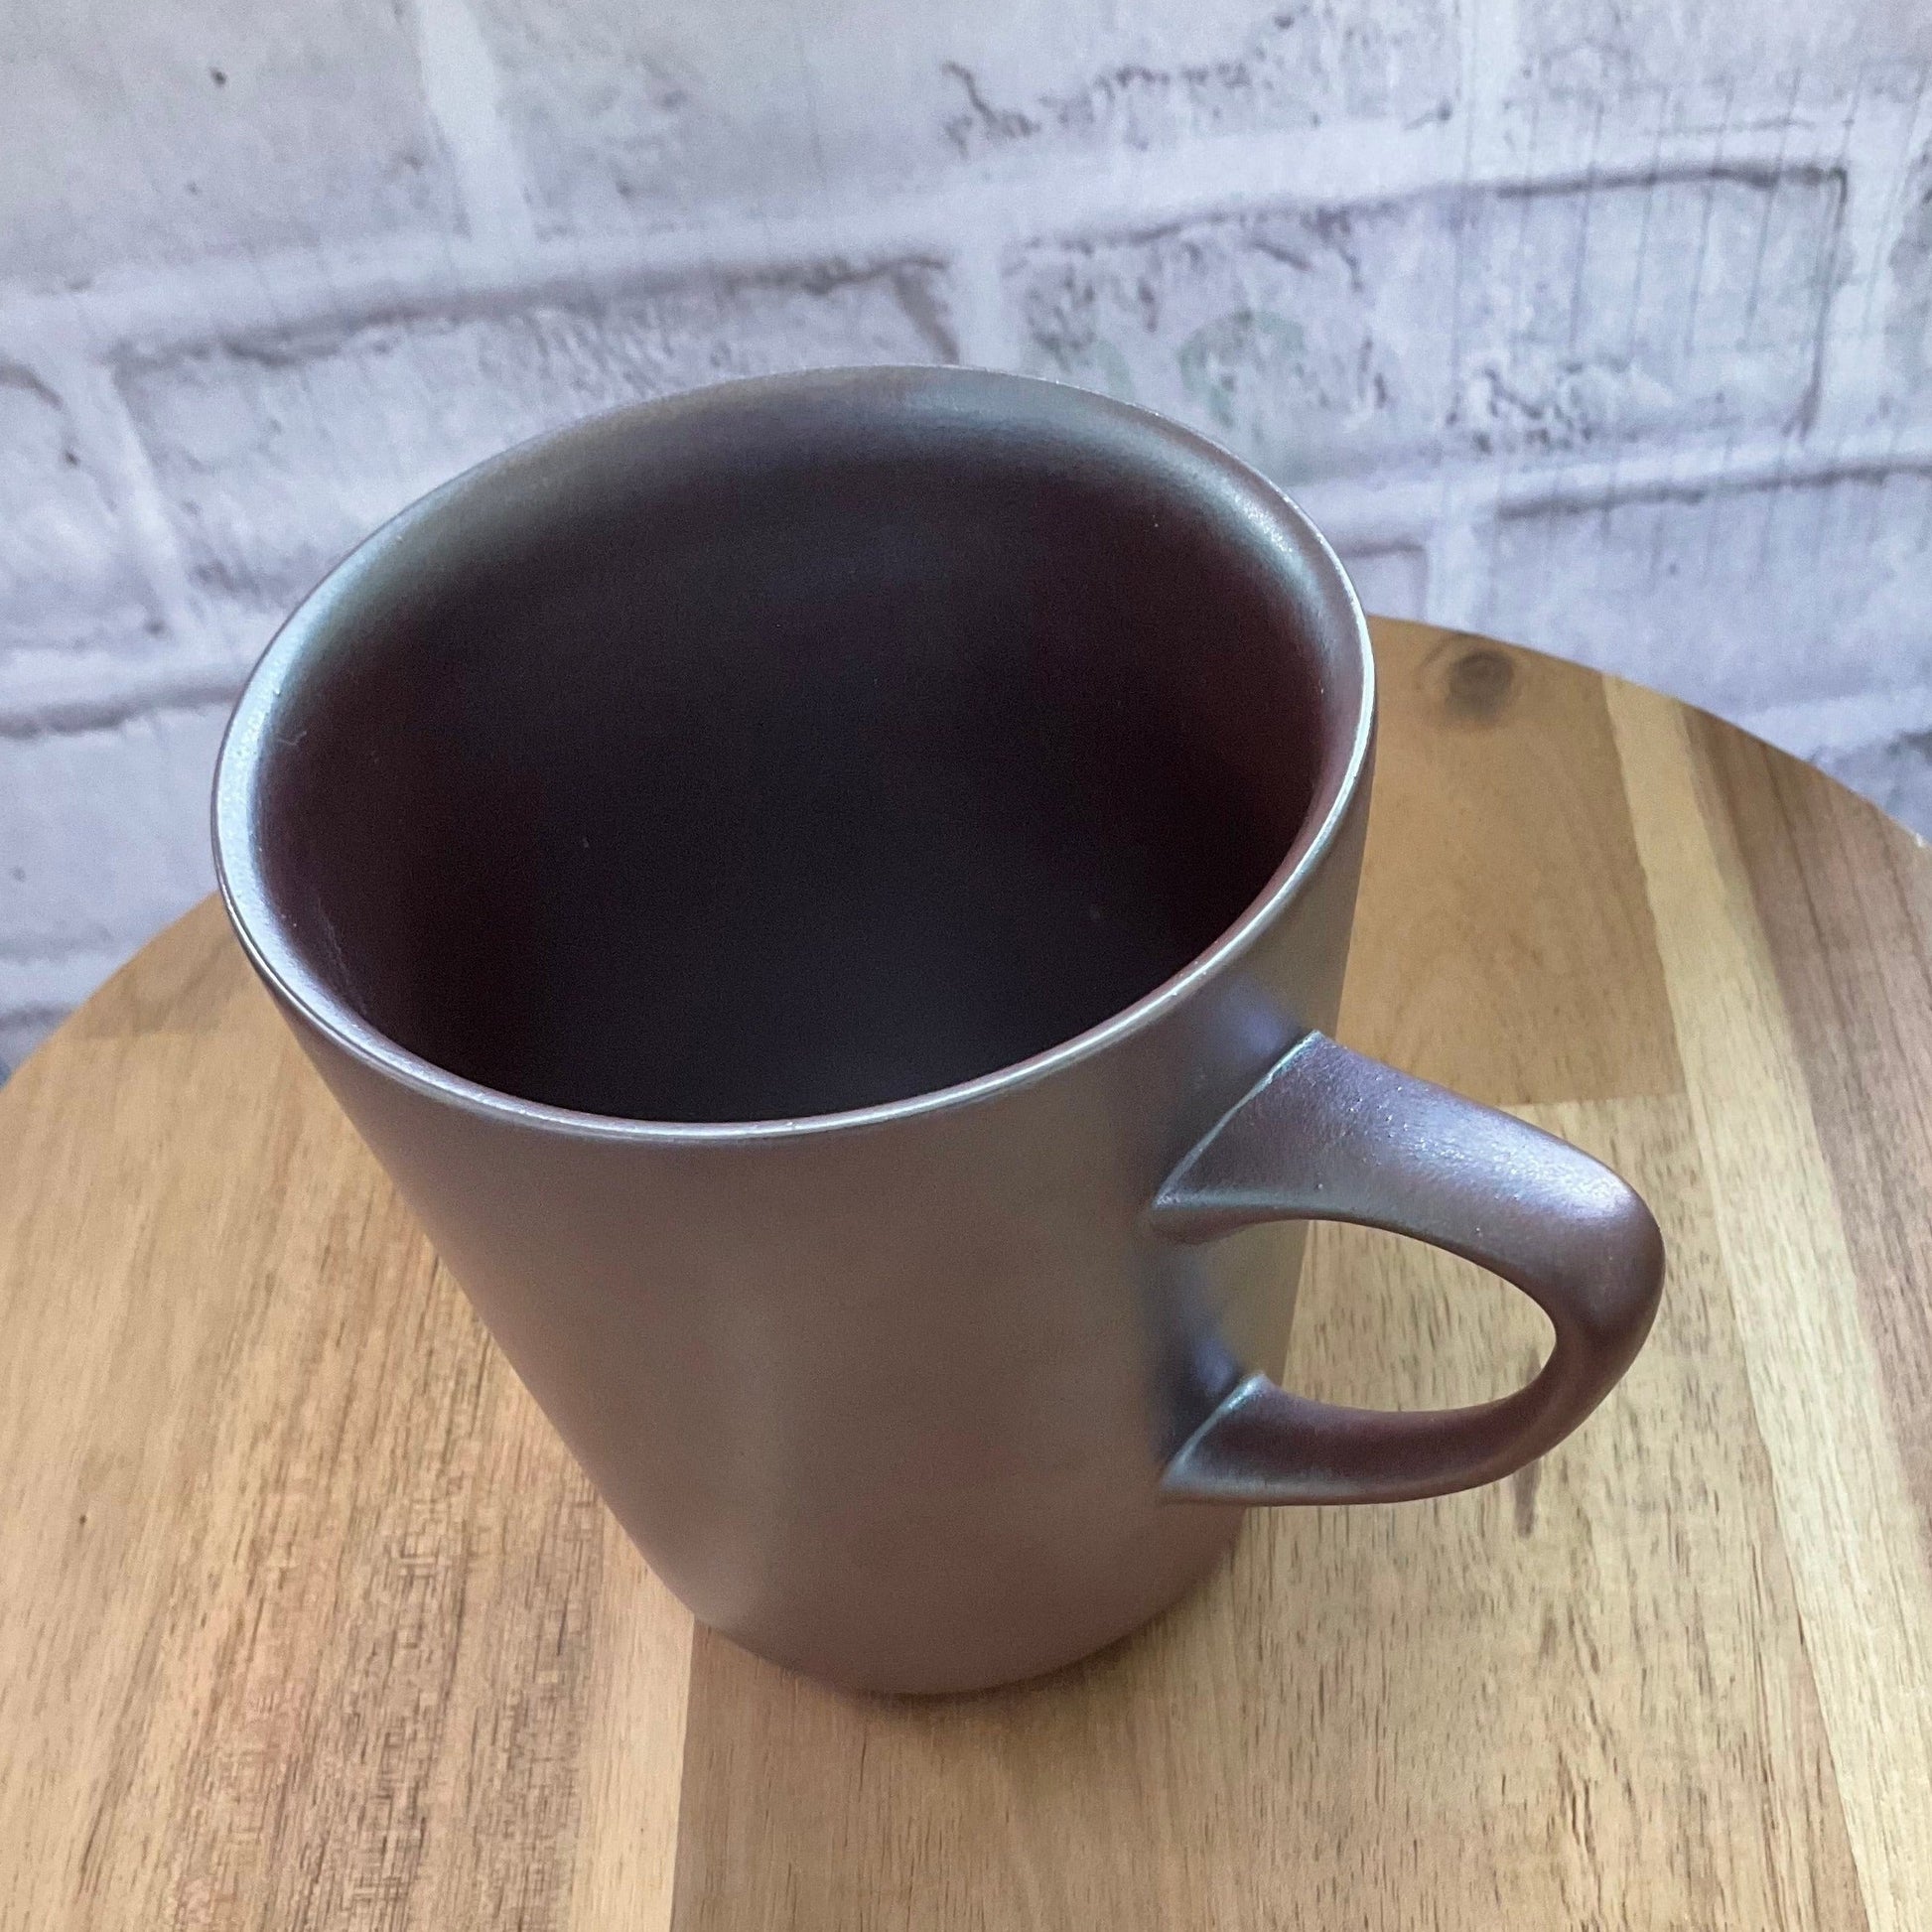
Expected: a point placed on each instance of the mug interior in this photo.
(757, 759)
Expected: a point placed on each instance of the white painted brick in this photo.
(103, 834)
(1703, 51)
(1391, 580)
(165, 129)
(278, 457)
(1315, 339)
(1139, 78)
(1896, 773)
(1430, 348)
(625, 113)
(65, 576)
(1908, 321)
(1734, 599)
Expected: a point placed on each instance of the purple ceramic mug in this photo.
(827, 896)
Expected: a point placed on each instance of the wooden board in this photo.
(307, 1620)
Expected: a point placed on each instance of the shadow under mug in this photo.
(828, 894)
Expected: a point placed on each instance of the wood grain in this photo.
(1588, 1710)
(306, 1620)
(1862, 1582)
(306, 1605)
(1503, 947)
(1844, 896)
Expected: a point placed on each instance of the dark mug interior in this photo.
(764, 757)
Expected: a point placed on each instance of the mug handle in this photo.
(1331, 1135)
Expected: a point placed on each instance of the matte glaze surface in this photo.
(1333, 1136)
(640, 830)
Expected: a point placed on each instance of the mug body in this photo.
(779, 878)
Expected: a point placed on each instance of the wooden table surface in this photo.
(306, 1619)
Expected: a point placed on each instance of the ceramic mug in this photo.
(828, 896)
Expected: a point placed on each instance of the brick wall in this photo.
(1601, 326)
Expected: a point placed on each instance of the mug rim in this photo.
(247, 744)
